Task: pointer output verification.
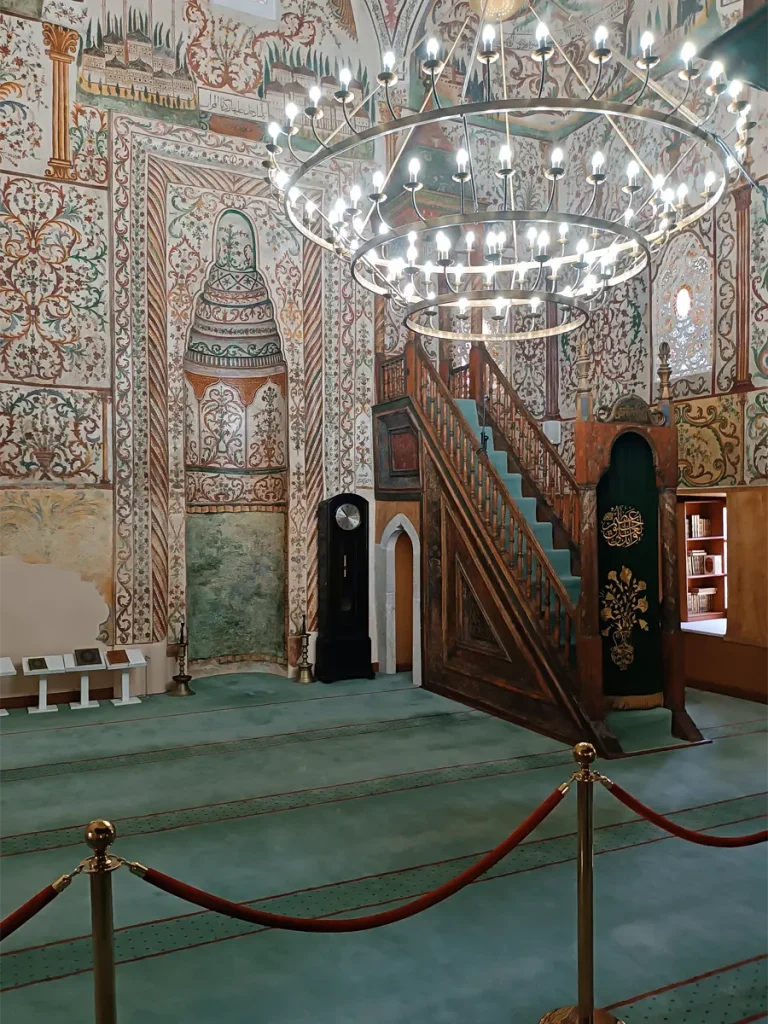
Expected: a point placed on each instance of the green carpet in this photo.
(326, 800)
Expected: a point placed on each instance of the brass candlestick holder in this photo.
(181, 680)
(303, 665)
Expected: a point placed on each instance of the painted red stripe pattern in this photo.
(313, 399)
(692, 981)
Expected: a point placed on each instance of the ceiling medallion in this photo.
(482, 270)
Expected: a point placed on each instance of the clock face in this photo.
(348, 517)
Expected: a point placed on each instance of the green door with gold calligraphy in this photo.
(628, 573)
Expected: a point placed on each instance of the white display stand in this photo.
(7, 668)
(84, 670)
(135, 660)
(55, 666)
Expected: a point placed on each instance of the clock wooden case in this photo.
(343, 644)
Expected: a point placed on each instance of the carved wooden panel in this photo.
(480, 647)
(397, 453)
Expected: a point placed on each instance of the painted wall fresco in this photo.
(236, 595)
(710, 441)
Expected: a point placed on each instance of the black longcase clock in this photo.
(343, 644)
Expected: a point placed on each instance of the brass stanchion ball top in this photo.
(100, 835)
(584, 753)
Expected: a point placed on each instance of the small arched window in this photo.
(683, 303)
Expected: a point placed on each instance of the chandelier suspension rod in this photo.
(509, 180)
(465, 85)
(583, 81)
(411, 130)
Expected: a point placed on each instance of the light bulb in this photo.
(646, 42)
(556, 160)
(542, 33)
(310, 209)
(357, 224)
(463, 303)
(581, 246)
(413, 168)
(597, 162)
(433, 48)
(490, 240)
(601, 36)
(458, 270)
(501, 240)
(535, 303)
(293, 194)
(409, 290)
(629, 213)
(735, 88)
(687, 53)
(469, 238)
(372, 256)
(543, 241)
(668, 195)
(345, 77)
(281, 180)
(590, 284)
(388, 60)
(354, 194)
(682, 192)
(663, 224)
(274, 130)
(411, 254)
(709, 179)
(383, 228)
(291, 110)
(315, 95)
(563, 232)
(658, 182)
(531, 235)
(633, 169)
(442, 242)
(461, 160)
(431, 294)
(489, 272)
(378, 180)
(500, 305)
(412, 236)
(429, 269)
(716, 69)
(567, 291)
(489, 34)
(505, 156)
(398, 265)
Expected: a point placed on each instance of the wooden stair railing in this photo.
(536, 455)
(536, 581)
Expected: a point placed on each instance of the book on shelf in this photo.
(701, 600)
(696, 562)
(698, 526)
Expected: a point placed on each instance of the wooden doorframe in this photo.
(395, 527)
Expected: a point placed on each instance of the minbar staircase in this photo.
(501, 541)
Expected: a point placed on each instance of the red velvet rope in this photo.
(27, 911)
(357, 924)
(702, 838)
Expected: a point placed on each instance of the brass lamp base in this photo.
(570, 1015)
(181, 687)
(305, 674)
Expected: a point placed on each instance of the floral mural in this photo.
(710, 442)
(54, 298)
(23, 93)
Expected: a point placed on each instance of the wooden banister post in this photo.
(475, 373)
(410, 365)
(589, 644)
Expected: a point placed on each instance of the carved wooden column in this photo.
(551, 378)
(743, 199)
(62, 47)
(589, 646)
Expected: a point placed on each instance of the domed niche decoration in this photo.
(236, 455)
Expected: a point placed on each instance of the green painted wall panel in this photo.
(236, 584)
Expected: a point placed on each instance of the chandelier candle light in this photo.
(505, 261)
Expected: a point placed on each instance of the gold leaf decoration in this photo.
(622, 599)
(622, 526)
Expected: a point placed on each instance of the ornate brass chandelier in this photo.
(497, 267)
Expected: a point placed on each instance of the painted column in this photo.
(551, 406)
(62, 47)
(743, 199)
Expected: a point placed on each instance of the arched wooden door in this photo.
(403, 603)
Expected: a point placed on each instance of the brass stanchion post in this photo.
(585, 1013)
(100, 835)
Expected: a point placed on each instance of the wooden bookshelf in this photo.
(702, 530)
